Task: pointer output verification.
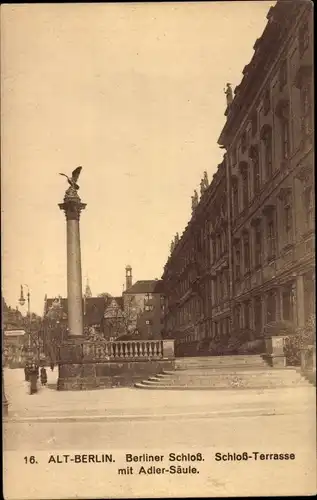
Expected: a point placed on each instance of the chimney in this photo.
(128, 277)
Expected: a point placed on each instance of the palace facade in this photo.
(245, 262)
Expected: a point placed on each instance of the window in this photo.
(254, 123)
(244, 142)
(225, 284)
(218, 240)
(306, 109)
(266, 101)
(267, 143)
(222, 242)
(271, 307)
(271, 234)
(287, 212)
(214, 253)
(247, 315)
(237, 316)
(285, 138)
(256, 170)
(220, 287)
(257, 244)
(308, 207)
(258, 314)
(283, 74)
(303, 38)
(282, 111)
(246, 251)
(237, 261)
(235, 196)
(245, 188)
(287, 303)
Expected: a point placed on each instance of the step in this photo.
(221, 361)
(141, 385)
(219, 358)
(231, 379)
(211, 368)
(227, 372)
(225, 384)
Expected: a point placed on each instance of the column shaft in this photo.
(74, 279)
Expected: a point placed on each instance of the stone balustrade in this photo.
(128, 350)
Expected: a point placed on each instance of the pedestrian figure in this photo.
(26, 373)
(33, 378)
(43, 376)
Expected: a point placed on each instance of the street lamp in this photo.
(22, 302)
(5, 404)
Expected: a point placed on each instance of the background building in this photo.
(142, 303)
(244, 265)
(135, 315)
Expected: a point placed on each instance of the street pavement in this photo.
(121, 421)
(125, 403)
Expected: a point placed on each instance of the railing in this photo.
(128, 350)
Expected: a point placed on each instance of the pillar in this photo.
(299, 301)
(72, 207)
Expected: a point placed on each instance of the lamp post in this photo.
(5, 404)
(22, 302)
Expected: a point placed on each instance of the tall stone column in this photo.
(72, 207)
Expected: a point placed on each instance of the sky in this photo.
(134, 93)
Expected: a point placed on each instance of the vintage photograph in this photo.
(158, 253)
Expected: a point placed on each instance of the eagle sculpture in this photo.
(73, 179)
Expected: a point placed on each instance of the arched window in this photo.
(267, 101)
(271, 234)
(266, 136)
(245, 183)
(257, 241)
(282, 111)
(254, 155)
(235, 196)
(285, 196)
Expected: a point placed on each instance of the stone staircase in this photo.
(224, 372)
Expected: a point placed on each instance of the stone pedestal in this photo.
(275, 351)
(168, 349)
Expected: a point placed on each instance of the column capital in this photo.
(72, 204)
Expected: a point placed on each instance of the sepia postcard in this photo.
(158, 221)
